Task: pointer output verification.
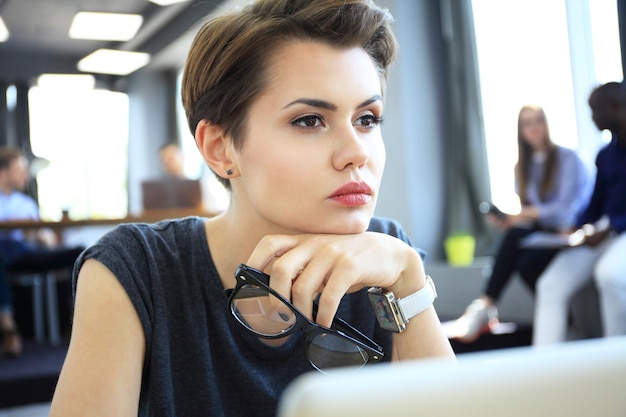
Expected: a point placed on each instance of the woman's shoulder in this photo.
(570, 157)
(394, 228)
(161, 228)
(168, 235)
(567, 153)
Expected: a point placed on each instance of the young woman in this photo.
(552, 185)
(285, 99)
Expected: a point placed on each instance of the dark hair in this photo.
(605, 102)
(227, 65)
(8, 155)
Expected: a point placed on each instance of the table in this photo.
(150, 216)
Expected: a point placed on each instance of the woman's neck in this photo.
(232, 238)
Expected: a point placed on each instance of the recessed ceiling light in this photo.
(105, 26)
(4, 32)
(110, 61)
(166, 2)
(67, 81)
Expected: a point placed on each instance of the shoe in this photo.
(478, 318)
(12, 344)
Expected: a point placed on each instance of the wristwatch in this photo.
(393, 314)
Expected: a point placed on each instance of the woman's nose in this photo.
(351, 150)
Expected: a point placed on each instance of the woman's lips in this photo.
(353, 194)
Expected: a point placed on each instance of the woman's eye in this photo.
(309, 122)
(369, 120)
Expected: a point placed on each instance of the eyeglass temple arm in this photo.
(344, 327)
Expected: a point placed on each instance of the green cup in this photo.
(460, 249)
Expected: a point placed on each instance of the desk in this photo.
(145, 217)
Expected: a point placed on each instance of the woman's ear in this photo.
(215, 148)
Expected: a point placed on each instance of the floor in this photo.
(30, 379)
(33, 410)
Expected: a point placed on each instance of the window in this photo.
(84, 135)
(215, 195)
(524, 57)
(194, 164)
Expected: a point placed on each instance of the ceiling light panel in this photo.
(67, 81)
(166, 2)
(110, 61)
(4, 32)
(105, 26)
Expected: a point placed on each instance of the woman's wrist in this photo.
(412, 278)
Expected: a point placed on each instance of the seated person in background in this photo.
(214, 194)
(602, 255)
(285, 99)
(19, 249)
(551, 182)
(172, 160)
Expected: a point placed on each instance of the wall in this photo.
(149, 129)
(412, 189)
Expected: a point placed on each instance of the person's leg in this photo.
(11, 341)
(532, 263)
(482, 312)
(505, 262)
(565, 275)
(5, 297)
(610, 276)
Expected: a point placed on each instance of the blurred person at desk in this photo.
(22, 250)
(214, 194)
(172, 160)
(551, 182)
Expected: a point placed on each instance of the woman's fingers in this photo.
(303, 266)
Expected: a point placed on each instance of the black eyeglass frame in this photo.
(340, 328)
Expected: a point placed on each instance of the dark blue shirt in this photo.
(609, 193)
(199, 361)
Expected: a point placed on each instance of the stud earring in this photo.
(229, 172)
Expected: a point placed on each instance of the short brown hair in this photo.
(227, 64)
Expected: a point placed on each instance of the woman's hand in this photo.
(501, 223)
(303, 266)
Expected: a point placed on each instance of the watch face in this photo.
(385, 314)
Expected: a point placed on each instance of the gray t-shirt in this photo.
(199, 360)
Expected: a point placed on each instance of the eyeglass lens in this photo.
(268, 316)
(256, 309)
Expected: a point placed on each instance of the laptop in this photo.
(171, 193)
(575, 379)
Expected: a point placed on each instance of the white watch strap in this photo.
(412, 305)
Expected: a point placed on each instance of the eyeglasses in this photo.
(269, 315)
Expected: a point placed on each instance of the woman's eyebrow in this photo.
(330, 106)
(371, 100)
(314, 103)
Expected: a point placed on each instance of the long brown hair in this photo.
(525, 152)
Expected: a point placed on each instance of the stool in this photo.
(45, 303)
